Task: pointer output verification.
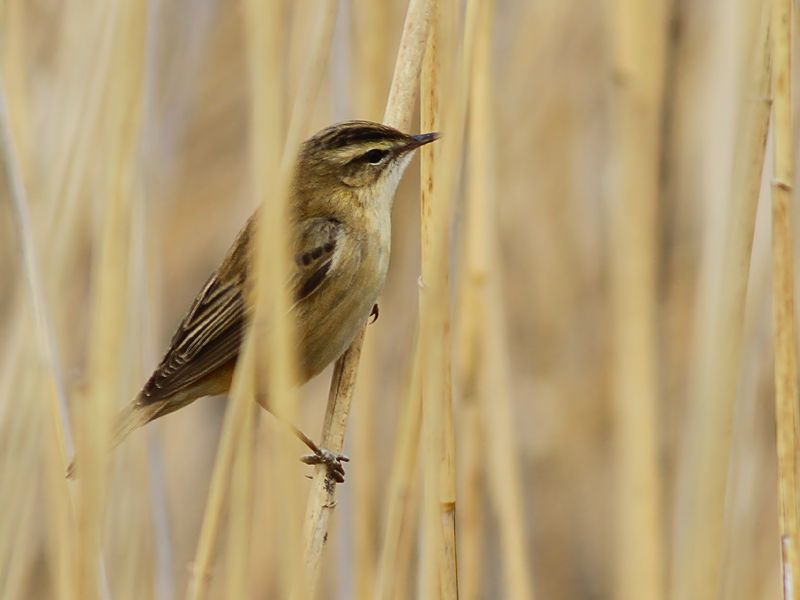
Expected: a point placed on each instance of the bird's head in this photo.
(362, 157)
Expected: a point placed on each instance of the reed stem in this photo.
(639, 59)
(703, 470)
(398, 113)
(787, 418)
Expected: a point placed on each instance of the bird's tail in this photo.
(127, 421)
(131, 418)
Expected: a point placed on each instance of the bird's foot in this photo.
(375, 313)
(332, 460)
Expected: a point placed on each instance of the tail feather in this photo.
(131, 418)
(127, 421)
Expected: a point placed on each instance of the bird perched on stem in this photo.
(340, 220)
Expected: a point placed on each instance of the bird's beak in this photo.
(420, 140)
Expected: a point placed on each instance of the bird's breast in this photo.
(333, 317)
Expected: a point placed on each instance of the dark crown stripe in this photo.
(338, 137)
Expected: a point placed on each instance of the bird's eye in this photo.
(375, 156)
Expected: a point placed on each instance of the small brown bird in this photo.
(340, 204)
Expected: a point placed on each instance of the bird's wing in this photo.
(210, 335)
(315, 251)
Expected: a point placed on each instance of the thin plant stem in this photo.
(398, 114)
(399, 497)
(43, 325)
(703, 470)
(318, 513)
(503, 471)
(639, 61)
(371, 73)
(272, 303)
(472, 316)
(438, 577)
(115, 194)
(787, 418)
(446, 77)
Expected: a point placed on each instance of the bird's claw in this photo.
(375, 313)
(332, 460)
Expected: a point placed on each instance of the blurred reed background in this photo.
(589, 300)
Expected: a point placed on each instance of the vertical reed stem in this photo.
(271, 260)
(431, 352)
(438, 170)
(703, 472)
(370, 50)
(399, 495)
(640, 40)
(115, 195)
(45, 335)
(398, 114)
(787, 419)
(472, 310)
(503, 471)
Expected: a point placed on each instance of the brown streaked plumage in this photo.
(340, 200)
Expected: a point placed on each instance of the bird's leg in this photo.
(319, 455)
(322, 456)
(375, 313)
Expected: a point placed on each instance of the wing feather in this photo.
(210, 335)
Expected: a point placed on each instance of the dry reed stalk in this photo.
(67, 159)
(399, 496)
(136, 494)
(18, 458)
(200, 577)
(504, 481)
(439, 165)
(472, 313)
(143, 327)
(12, 349)
(60, 520)
(471, 448)
(235, 441)
(432, 353)
(14, 580)
(787, 419)
(471, 520)
(272, 259)
(703, 466)
(268, 69)
(67, 171)
(17, 564)
(16, 66)
(365, 481)
(371, 34)
(20, 431)
(110, 310)
(46, 360)
(46, 341)
(398, 114)
(472, 290)
(318, 513)
(407, 543)
(146, 287)
(639, 62)
(471, 455)
(271, 333)
(403, 91)
(370, 48)
(300, 13)
(502, 468)
(304, 574)
(237, 583)
(74, 149)
(60, 446)
(446, 80)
